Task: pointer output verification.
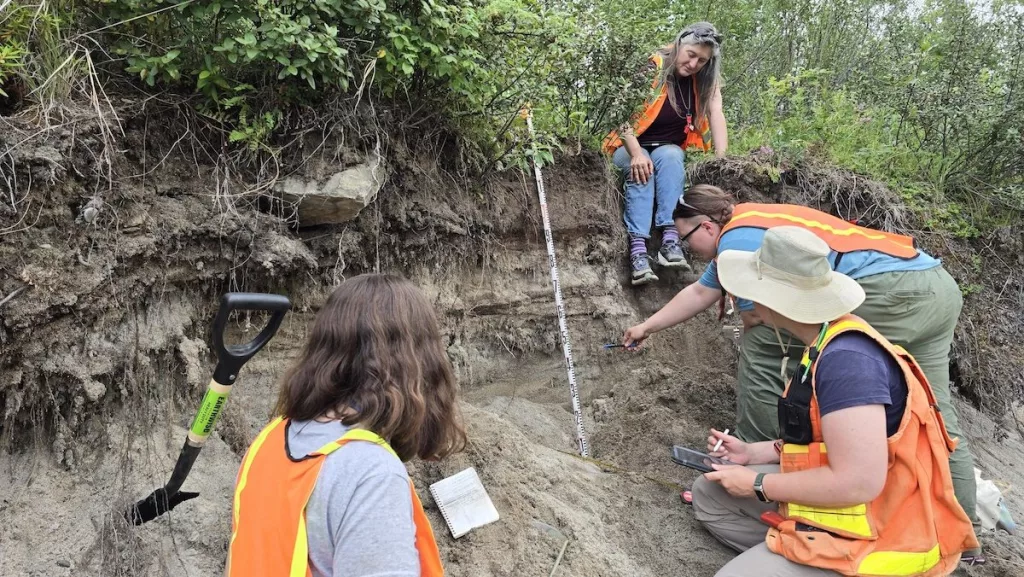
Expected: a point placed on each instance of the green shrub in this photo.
(913, 102)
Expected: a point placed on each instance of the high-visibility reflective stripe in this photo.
(791, 449)
(355, 435)
(899, 562)
(852, 231)
(831, 332)
(244, 475)
(841, 236)
(835, 328)
(852, 520)
(300, 554)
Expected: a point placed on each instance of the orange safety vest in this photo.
(696, 140)
(268, 536)
(915, 526)
(842, 236)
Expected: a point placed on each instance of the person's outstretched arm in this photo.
(683, 307)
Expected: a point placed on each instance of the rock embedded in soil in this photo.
(324, 197)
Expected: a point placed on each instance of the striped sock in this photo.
(669, 234)
(637, 245)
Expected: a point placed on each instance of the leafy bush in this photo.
(293, 52)
(926, 96)
(470, 64)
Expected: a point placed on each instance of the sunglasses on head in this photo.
(704, 35)
(690, 207)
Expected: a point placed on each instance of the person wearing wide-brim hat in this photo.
(910, 298)
(873, 501)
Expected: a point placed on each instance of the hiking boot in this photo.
(671, 255)
(642, 273)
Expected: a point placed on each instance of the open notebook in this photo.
(463, 502)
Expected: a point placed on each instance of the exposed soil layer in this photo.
(103, 352)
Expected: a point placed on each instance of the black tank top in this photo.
(670, 126)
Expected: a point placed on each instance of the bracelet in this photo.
(778, 447)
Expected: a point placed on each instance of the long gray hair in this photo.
(699, 33)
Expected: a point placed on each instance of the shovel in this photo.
(230, 359)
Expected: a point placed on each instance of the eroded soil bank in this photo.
(103, 352)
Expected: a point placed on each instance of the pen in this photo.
(718, 445)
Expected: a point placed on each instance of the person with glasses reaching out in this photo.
(911, 300)
(683, 114)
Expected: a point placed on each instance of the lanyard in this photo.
(813, 355)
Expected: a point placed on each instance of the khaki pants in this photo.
(737, 523)
(917, 310)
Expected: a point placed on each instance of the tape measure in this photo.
(563, 329)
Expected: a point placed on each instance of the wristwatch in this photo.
(759, 488)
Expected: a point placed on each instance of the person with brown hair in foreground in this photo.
(323, 491)
(858, 482)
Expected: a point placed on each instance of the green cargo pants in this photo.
(917, 310)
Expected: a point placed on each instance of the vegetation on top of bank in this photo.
(926, 97)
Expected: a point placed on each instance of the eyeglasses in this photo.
(696, 212)
(689, 234)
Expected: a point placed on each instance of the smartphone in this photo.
(695, 459)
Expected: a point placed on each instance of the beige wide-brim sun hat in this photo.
(790, 274)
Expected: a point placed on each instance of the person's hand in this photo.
(641, 168)
(732, 449)
(738, 481)
(634, 337)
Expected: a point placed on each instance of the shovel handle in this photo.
(230, 358)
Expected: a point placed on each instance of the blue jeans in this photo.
(661, 193)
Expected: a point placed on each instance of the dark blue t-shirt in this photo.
(853, 370)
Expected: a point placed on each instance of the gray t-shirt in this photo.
(359, 518)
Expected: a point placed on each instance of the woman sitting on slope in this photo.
(683, 113)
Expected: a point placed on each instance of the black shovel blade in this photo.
(156, 504)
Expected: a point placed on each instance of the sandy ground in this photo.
(620, 513)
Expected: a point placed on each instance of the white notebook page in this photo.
(463, 502)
